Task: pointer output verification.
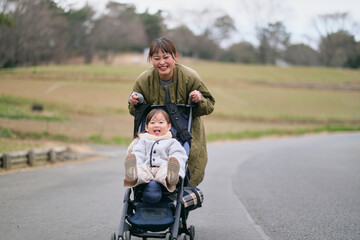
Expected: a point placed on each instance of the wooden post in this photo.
(52, 156)
(6, 162)
(31, 158)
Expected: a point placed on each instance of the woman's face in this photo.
(158, 125)
(164, 63)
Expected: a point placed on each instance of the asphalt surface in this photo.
(304, 187)
(289, 188)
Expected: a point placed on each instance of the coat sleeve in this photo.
(136, 88)
(140, 86)
(206, 105)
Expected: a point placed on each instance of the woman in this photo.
(184, 86)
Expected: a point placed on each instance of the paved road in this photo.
(304, 187)
(289, 188)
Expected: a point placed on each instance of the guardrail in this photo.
(35, 157)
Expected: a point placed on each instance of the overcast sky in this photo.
(297, 15)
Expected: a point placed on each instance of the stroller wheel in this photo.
(169, 237)
(113, 236)
(192, 232)
(127, 235)
(183, 237)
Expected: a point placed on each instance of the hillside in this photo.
(88, 103)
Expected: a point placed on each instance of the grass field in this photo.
(88, 103)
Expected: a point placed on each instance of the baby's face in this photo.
(158, 125)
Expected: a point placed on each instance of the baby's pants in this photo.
(147, 173)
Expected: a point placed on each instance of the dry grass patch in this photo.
(93, 98)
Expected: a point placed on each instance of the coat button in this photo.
(154, 151)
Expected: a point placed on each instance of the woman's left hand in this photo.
(195, 96)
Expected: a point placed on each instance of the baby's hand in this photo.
(195, 96)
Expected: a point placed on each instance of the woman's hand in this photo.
(134, 98)
(195, 96)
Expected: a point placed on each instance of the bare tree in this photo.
(337, 45)
(326, 24)
(34, 36)
(185, 40)
(77, 32)
(222, 28)
(119, 30)
(153, 24)
(209, 22)
(336, 49)
(262, 12)
(274, 40)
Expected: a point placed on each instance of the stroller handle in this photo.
(179, 105)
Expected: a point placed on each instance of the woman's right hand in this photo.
(134, 98)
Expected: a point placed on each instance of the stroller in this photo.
(144, 217)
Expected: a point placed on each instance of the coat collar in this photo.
(149, 136)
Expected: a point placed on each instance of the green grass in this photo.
(234, 73)
(7, 146)
(20, 108)
(89, 73)
(284, 103)
(278, 132)
(223, 73)
(5, 132)
(98, 139)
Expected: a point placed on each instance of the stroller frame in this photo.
(178, 229)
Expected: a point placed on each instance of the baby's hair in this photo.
(155, 111)
(165, 45)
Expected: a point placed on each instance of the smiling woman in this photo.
(164, 57)
(168, 81)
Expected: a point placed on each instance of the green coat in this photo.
(185, 80)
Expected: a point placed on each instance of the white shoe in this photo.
(173, 171)
(130, 168)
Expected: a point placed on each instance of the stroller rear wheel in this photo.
(183, 237)
(192, 232)
(126, 236)
(113, 236)
(170, 237)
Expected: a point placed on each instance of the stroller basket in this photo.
(152, 217)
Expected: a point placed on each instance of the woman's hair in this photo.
(155, 111)
(163, 44)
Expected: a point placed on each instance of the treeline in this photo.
(41, 32)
